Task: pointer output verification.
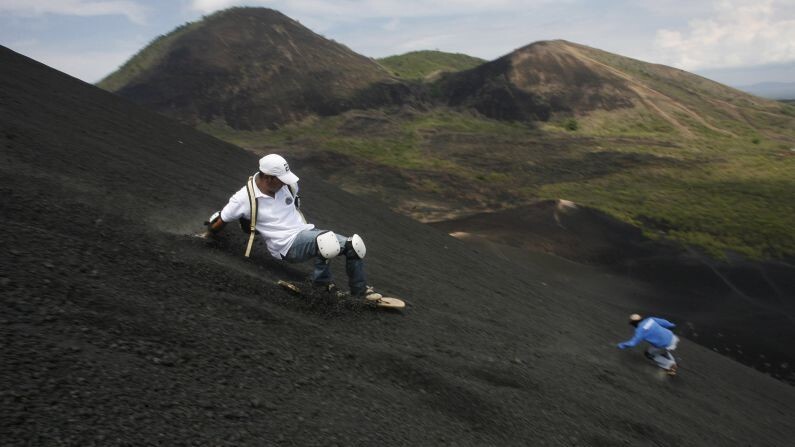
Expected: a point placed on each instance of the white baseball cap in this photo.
(276, 165)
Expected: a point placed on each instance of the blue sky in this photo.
(737, 42)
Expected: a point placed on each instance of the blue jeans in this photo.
(304, 248)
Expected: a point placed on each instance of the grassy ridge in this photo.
(749, 213)
(730, 191)
(421, 64)
(715, 191)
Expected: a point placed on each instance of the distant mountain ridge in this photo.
(428, 64)
(250, 68)
(534, 82)
(558, 77)
(771, 90)
(254, 68)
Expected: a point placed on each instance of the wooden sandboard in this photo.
(290, 287)
(384, 302)
(390, 303)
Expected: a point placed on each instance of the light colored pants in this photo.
(662, 356)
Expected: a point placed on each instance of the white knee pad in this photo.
(357, 243)
(328, 245)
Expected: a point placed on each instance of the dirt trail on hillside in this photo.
(648, 96)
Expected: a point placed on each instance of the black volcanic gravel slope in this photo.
(117, 327)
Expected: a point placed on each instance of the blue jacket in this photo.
(653, 330)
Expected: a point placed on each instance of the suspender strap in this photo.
(296, 200)
(252, 200)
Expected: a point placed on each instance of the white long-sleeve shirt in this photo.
(278, 221)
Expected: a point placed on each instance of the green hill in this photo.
(147, 58)
(250, 68)
(423, 64)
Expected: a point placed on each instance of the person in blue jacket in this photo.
(656, 332)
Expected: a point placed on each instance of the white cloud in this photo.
(208, 6)
(393, 25)
(431, 42)
(23, 44)
(738, 33)
(89, 65)
(133, 11)
(675, 8)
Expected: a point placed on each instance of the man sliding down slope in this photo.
(654, 331)
(273, 193)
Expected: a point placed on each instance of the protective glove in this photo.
(214, 224)
(622, 345)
